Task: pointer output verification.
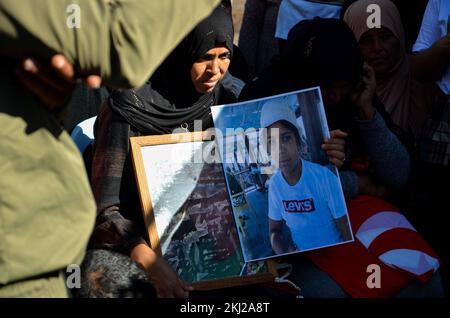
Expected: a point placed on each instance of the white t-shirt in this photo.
(434, 26)
(310, 207)
(292, 12)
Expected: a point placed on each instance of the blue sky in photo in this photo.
(245, 115)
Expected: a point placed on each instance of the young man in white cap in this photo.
(305, 195)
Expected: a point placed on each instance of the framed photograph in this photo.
(286, 196)
(187, 212)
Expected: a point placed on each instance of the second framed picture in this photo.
(188, 214)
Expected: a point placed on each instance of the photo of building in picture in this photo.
(286, 195)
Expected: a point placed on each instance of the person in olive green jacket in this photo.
(47, 210)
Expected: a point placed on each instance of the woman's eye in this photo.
(364, 40)
(206, 57)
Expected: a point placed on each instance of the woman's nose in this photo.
(377, 45)
(214, 67)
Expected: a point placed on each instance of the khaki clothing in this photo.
(47, 210)
(124, 40)
(53, 286)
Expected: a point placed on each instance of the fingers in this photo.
(338, 163)
(336, 157)
(335, 147)
(183, 290)
(370, 79)
(188, 288)
(52, 84)
(47, 95)
(43, 82)
(63, 68)
(365, 66)
(336, 137)
(47, 76)
(334, 144)
(336, 154)
(179, 291)
(338, 134)
(93, 81)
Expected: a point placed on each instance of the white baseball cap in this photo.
(276, 110)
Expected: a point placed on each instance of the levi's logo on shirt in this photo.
(299, 206)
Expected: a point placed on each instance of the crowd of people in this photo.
(387, 105)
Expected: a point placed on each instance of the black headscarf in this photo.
(169, 100)
(318, 52)
(324, 51)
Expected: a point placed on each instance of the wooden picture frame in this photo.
(195, 242)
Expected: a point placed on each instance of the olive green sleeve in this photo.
(122, 40)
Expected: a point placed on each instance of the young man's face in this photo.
(287, 145)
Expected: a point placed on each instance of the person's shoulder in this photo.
(276, 175)
(311, 165)
(229, 89)
(444, 5)
(270, 82)
(276, 178)
(316, 169)
(435, 6)
(129, 95)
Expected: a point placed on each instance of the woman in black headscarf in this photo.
(191, 80)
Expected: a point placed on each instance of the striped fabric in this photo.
(385, 238)
(389, 236)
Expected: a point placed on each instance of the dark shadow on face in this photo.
(381, 50)
(336, 94)
(287, 145)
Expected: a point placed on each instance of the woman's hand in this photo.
(335, 147)
(165, 280)
(52, 83)
(362, 98)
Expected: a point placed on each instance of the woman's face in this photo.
(209, 70)
(381, 50)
